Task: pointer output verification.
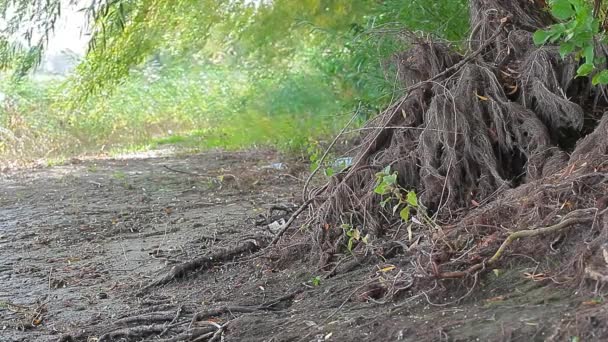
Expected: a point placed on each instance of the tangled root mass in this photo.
(498, 141)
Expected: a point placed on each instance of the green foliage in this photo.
(387, 185)
(576, 33)
(197, 107)
(353, 236)
(233, 74)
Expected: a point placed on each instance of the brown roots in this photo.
(502, 139)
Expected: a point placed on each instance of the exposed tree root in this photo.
(567, 223)
(132, 333)
(289, 222)
(497, 139)
(202, 263)
(184, 328)
(147, 318)
(193, 334)
(570, 221)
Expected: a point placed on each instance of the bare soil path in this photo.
(79, 242)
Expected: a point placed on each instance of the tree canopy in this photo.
(125, 33)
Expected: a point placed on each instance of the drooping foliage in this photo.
(126, 33)
(274, 68)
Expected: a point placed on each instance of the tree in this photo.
(125, 33)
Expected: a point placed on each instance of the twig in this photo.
(186, 172)
(289, 222)
(177, 314)
(219, 333)
(224, 176)
(320, 161)
(222, 310)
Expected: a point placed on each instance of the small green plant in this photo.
(386, 184)
(576, 33)
(354, 235)
(404, 201)
(316, 281)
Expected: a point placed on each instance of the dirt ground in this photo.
(79, 242)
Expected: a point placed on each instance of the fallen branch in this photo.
(219, 334)
(146, 318)
(226, 176)
(268, 306)
(192, 334)
(177, 314)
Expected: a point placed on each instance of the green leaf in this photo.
(584, 70)
(412, 199)
(600, 78)
(589, 54)
(562, 9)
(566, 48)
(540, 37)
(405, 213)
(329, 172)
(390, 180)
(356, 234)
(382, 189)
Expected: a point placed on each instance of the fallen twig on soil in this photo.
(228, 176)
(219, 333)
(177, 314)
(146, 318)
(268, 306)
